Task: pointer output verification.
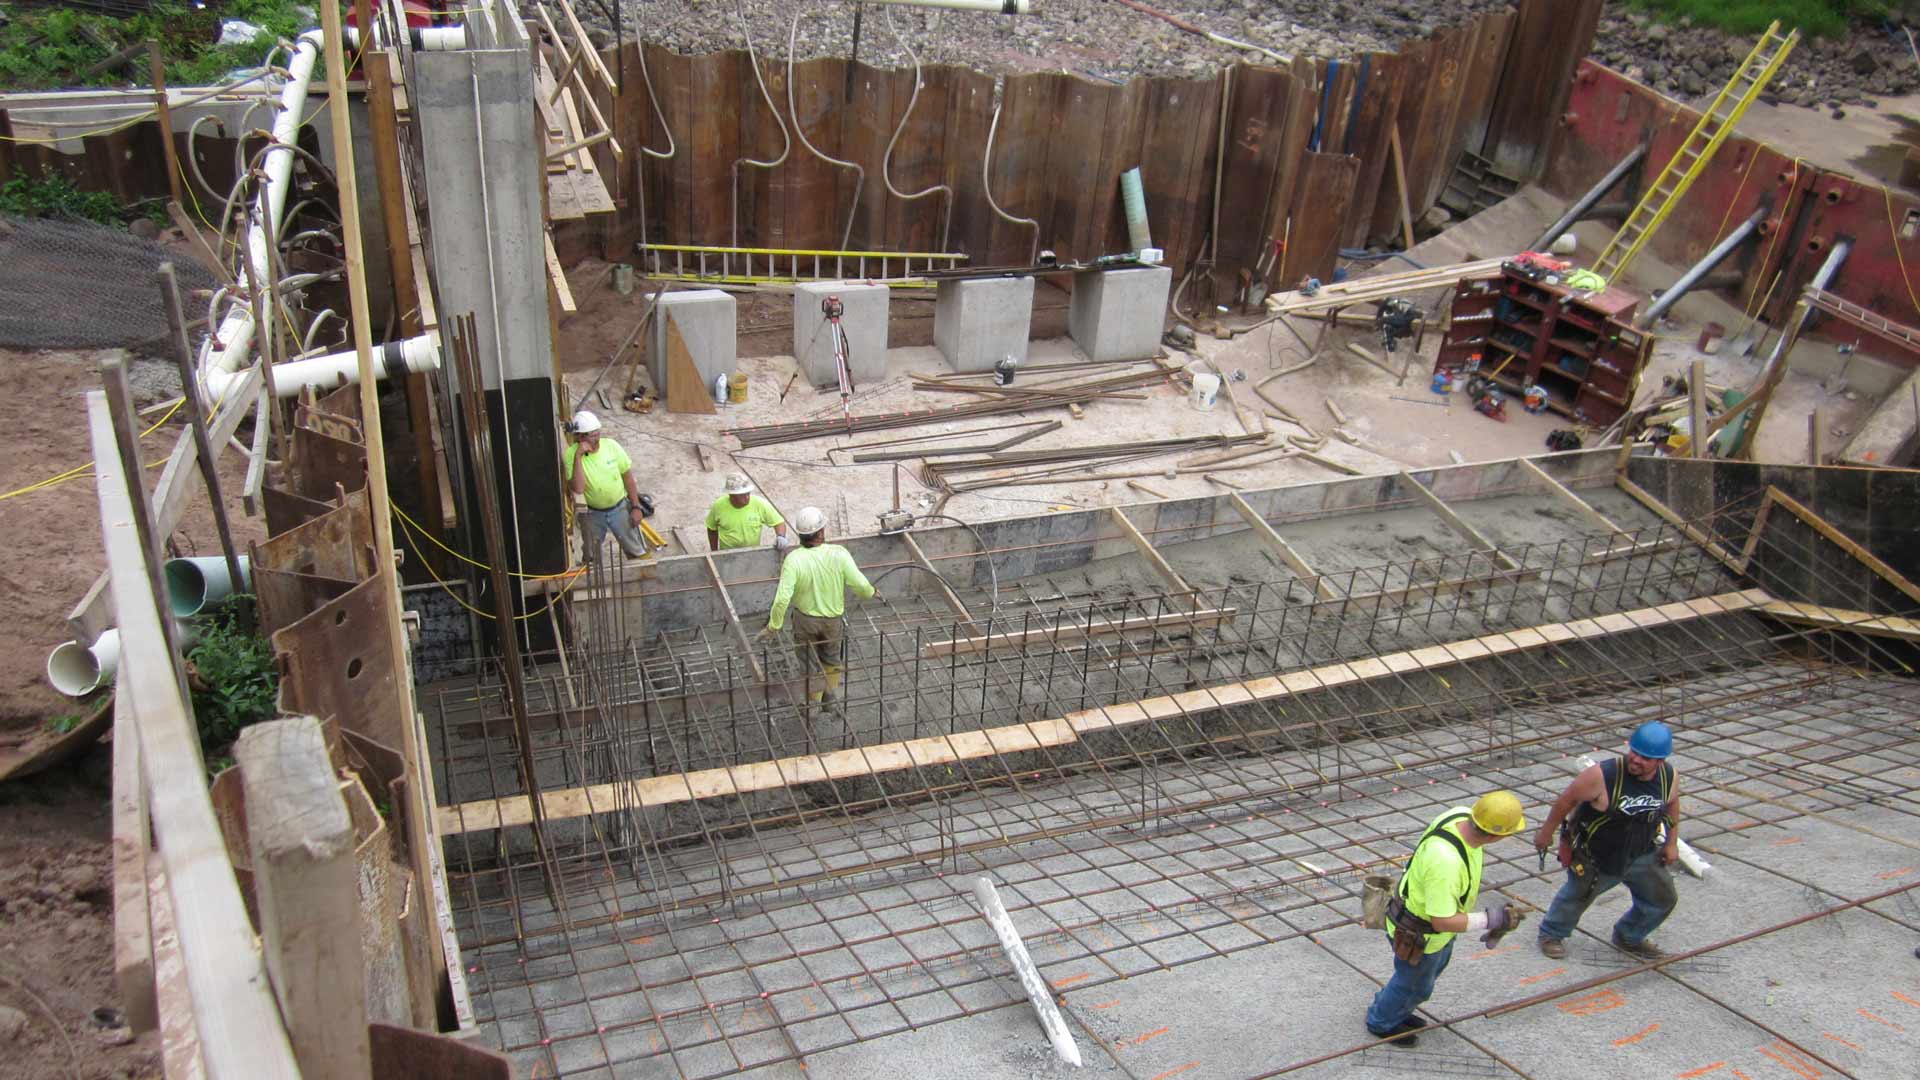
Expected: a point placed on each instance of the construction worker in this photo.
(736, 518)
(600, 474)
(1617, 808)
(814, 579)
(1434, 901)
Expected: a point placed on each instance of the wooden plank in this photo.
(1457, 523)
(179, 1043)
(558, 277)
(733, 617)
(1064, 632)
(94, 613)
(1697, 435)
(234, 1012)
(1280, 547)
(954, 603)
(1567, 496)
(306, 882)
(989, 742)
(132, 841)
(1160, 565)
(1400, 187)
(686, 391)
(1828, 618)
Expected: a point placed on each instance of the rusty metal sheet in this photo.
(337, 544)
(284, 597)
(1487, 57)
(1548, 41)
(422, 1055)
(1177, 122)
(1437, 103)
(285, 510)
(1258, 113)
(1320, 213)
(1415, 62)
(321, 463)
(336, 663)
(1367, 137)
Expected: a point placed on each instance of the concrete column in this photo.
(707, 321)
(1119, 314)
(865, 324)
(979, 320)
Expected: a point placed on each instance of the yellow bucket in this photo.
(737, 389)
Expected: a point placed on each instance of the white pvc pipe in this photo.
(194, 583)
(424, 38)
(1037, 990)
(77, 670)
(413, 356)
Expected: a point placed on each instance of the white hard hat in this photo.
(809, 521)
(584, 422)
(738, 484)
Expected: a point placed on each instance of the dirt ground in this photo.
(56, 936)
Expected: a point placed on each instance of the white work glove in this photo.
(765, 633)
(782, 541)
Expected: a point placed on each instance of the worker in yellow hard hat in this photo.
(1434, 901)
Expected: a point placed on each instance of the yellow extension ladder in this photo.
(1715, 125)
(790, 266)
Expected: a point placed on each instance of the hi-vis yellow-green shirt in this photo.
(1436, 880)
(815, 580)
(739, 526)
(606, 471)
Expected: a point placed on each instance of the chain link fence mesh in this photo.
(78, 285)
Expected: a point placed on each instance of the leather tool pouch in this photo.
(1409, 932)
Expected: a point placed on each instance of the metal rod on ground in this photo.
(203, 448)
(1586, 202)
(1037, 992)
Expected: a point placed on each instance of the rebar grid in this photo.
(737, 932)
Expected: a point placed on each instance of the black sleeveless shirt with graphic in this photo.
(1626, 830)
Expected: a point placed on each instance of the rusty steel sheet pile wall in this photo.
(1304, 156)
(1608, 114)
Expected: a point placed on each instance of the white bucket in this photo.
(76, 671)
(1206, 388)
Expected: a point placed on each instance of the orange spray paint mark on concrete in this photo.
(1176, 1070)
(1543, 976)
(1484, 953)
(1905, 998)
(1880, 1020)
(1637, 1036)
(1891, 874)
(1701, 1071)
(1841, 1041)
(1790, 1058)
(1592, 1003)
(1062, 984)
(1738, 1075)
(1788, 840)
(1138, 1039)
(1108, 1004)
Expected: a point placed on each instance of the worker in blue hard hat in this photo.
(1621, 827)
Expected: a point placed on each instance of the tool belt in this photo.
(1409, 932)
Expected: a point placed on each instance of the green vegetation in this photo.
(1815, 18)
(52, 195)
(234, 681)
(64, 723)
(45, 48)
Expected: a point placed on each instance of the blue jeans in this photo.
(615, 519)
(1410, 987)
(1649, 882)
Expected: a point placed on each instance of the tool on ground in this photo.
(1394, 319)
(1490, 404)
(833, 308)
(1534, 398)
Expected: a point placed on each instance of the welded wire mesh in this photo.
(79, 285)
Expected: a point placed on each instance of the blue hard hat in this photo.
(1652, 739)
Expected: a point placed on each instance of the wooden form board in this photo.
(1060, 731)
(1828, 618)
(686, 391)
(1062, 632)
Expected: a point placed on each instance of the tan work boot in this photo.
(1553, 948)
(1646, 950)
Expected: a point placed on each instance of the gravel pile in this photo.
(1105, 39)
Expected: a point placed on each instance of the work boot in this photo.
(1403, 1036)
(1553, 948)
(1645, 950)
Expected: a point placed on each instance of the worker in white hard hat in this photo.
(600, 475)
(736, 518)
(814, 580)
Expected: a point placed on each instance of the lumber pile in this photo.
(1380, 287)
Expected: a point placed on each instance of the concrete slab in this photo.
(706, 318)
(979, 321)
(1119, 314)
(864, 322)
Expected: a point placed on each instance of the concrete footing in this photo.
(1118, 314)
(707, 319)
(865, 324)
(976, 322)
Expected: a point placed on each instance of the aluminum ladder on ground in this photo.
(1715, 125)
(790, 266)
(1896, 334)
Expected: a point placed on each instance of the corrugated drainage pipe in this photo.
(77, 670)
(1135, 199)
(414, 356)
(193, 584)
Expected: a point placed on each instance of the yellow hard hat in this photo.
(1498, 814)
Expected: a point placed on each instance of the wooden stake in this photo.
(1400, 177)
(306, 880)
(1697, 410)
(1817, 435)
(158, 71)
(203, 448)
